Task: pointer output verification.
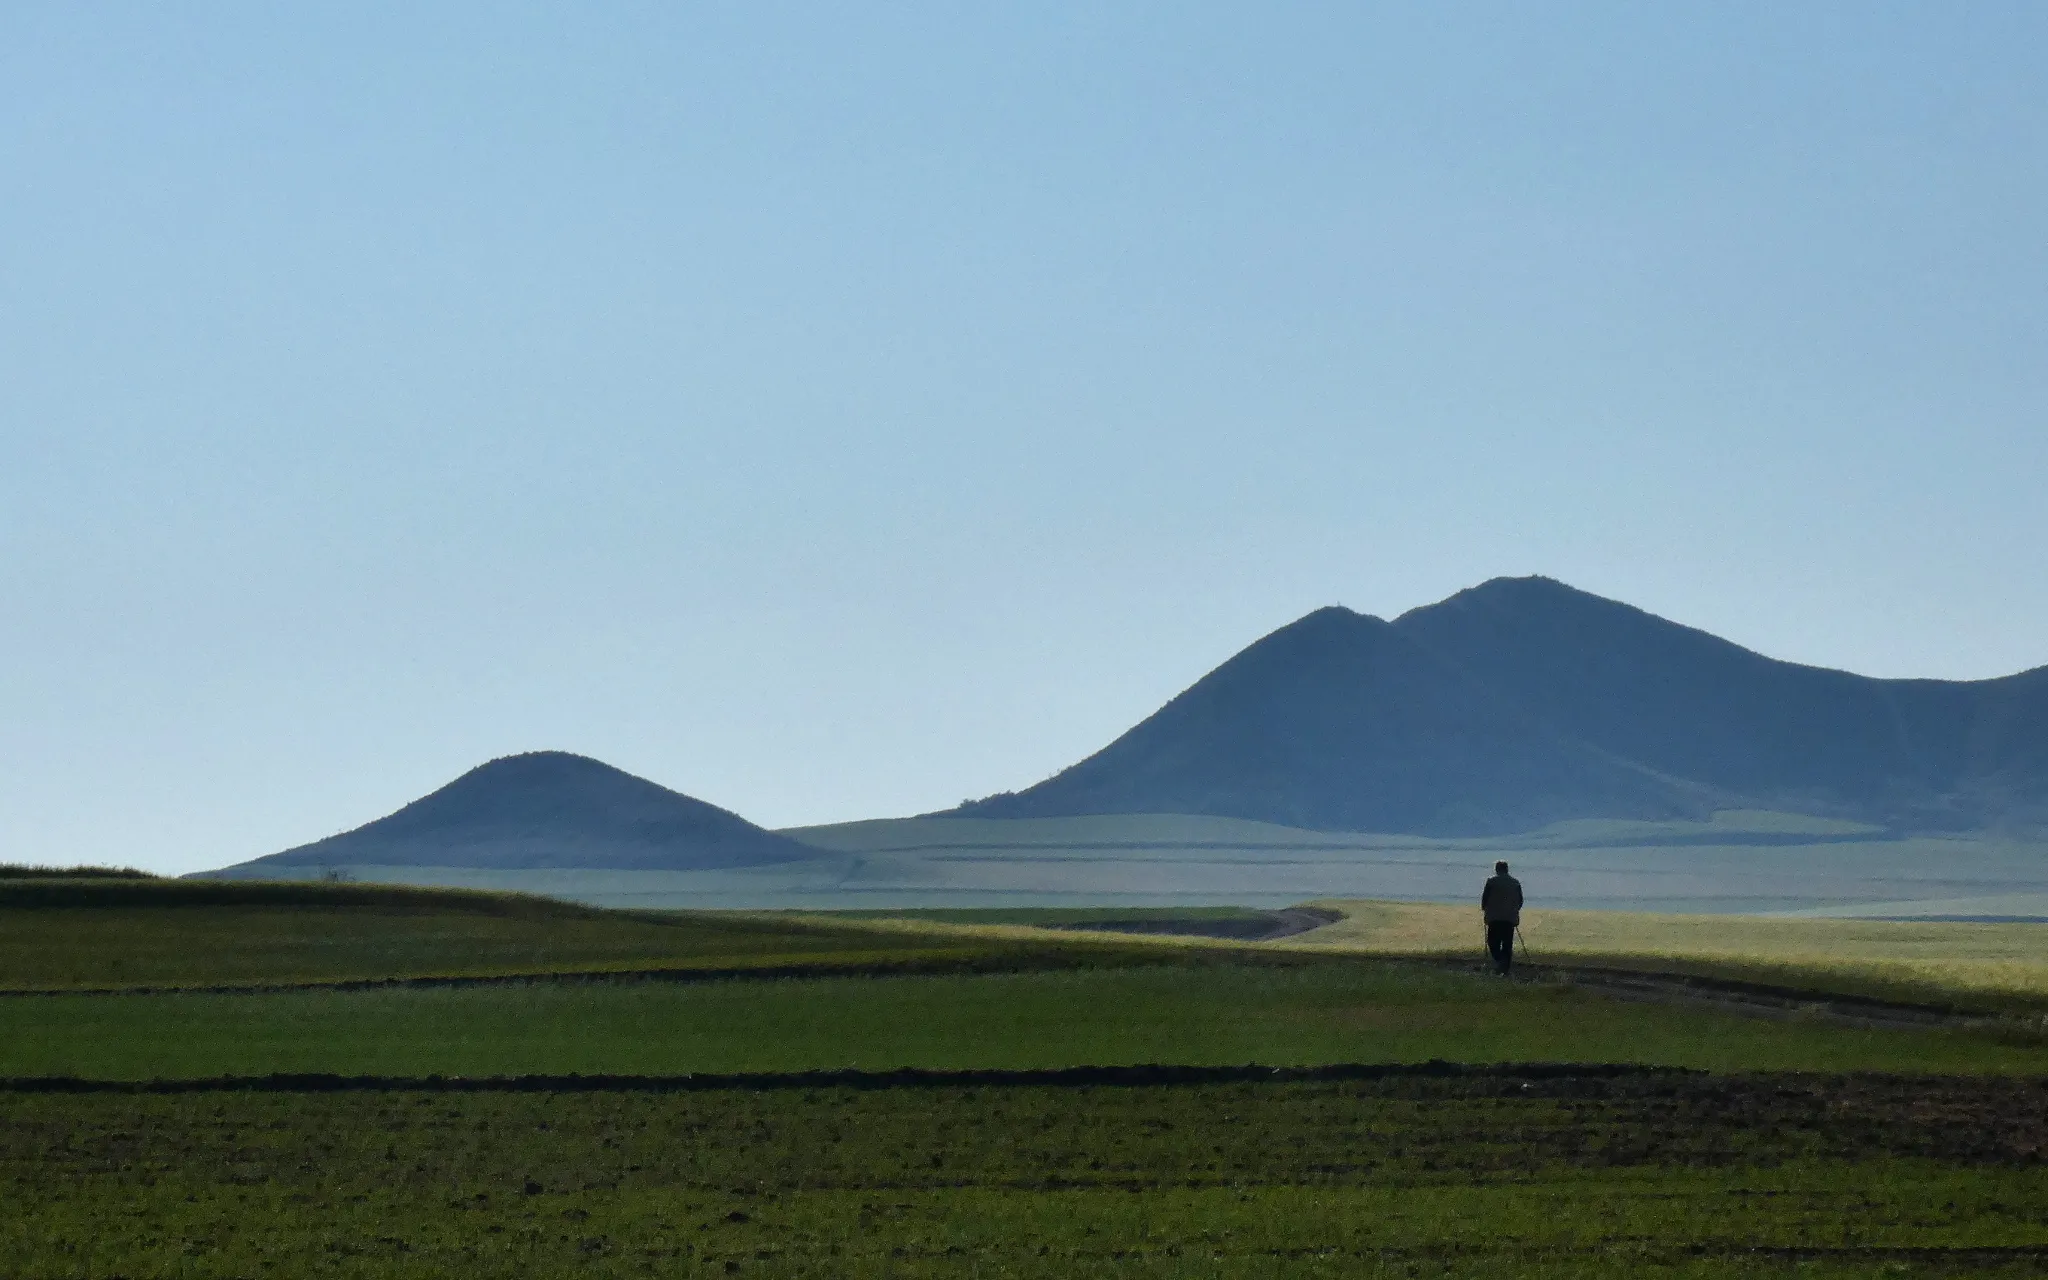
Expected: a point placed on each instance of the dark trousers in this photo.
(1500, 944)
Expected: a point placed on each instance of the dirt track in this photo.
(1268, 926)
(1754, 999)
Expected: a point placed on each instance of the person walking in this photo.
(1501, 903)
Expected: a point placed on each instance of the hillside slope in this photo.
(546, 809)
(1341, 721)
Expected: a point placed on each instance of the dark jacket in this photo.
(1501, 900)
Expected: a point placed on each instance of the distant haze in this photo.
(840, 410)
(1515, 705)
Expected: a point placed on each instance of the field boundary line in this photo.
(1760, 999)
(1639, 978)
(937, 964)
(1151, 1074)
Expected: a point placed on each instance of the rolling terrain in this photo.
(501, 1086)
(174, 936)
(1623, 760)
(168, 980)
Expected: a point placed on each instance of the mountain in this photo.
(1523, 701)
(1780, 735)
(548, 809)
(1343, 721)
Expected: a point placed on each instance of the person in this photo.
(1501, 903)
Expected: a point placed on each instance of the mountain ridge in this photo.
(1551, 702)
(1500, 710)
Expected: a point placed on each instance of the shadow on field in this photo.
(1138, 1076)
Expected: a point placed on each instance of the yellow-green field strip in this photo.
(1883, 972)
(1955, 965)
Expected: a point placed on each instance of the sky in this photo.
(838, 411)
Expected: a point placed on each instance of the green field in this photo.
(112, 935)
(1191, 1012)
(1482, 1176)
(1776, 1150)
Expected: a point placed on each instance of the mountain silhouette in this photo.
(1523, 701)
(549, 809)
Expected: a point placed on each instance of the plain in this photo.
(531, 1097)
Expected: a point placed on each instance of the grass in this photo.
(1805, 1176)
(85, 935)
(1992, 966)
(988, 995)
(1932, 1168)
(1197, 1011)
(95, 933)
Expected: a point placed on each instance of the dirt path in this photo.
(1734, 995)
(1754, 999)
(1267, 926)
(1649, 986)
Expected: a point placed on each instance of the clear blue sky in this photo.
(837, 411)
